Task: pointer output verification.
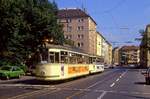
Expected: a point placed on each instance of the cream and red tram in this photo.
(59, 63)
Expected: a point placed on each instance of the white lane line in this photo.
(102, 95)
(120, 77)
(112, 84)
(117, 79)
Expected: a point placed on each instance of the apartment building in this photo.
(145, 48)
(129, 55)
(80, 28)
(116, 56)
(104, 49)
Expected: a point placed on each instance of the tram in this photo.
(59, 63)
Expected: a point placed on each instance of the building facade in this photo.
(104, 49)
(129, 55)
(145, 48)
(80, 28)
(116, 56)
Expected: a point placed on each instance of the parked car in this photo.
(11, 72)
(146, 73)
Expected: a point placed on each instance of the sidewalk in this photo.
(15, 79)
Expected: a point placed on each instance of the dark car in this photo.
(146, 73)
(11, 72)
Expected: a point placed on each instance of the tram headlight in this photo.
(42, 73)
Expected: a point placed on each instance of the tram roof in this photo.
(68, 48)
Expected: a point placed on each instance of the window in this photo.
(51, 57)
(56, 57)
(80, 44)
(68, 20)
(80, 28)
(69, 28)
(80, 20)
(45, 55)
(80, 36)
(64, 57)
(72, 58)
(68, 36)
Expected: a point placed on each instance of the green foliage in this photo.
(24, 26)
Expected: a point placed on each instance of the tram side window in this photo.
(90, 60)
(64, 57)
(87, 59)
(72, 58)
(56, 57)
(84, 60)
(94, 59)
(79, 59)
(51, 57)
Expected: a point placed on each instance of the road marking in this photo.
(102, 95)
(112, 84)
(117, 79)
(77, 93)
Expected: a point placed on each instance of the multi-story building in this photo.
(145, 48)
(116, 56)
(129, 55)
(110, 53)
(104, 49)
(100, 44)
(80, 28)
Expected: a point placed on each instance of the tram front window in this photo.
(54, 57)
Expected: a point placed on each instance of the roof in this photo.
(104, 38)
(67, 47)
(73, 13)
(130, 47)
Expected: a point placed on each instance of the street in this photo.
(118, 83)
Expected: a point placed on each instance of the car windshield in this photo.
(5, 68)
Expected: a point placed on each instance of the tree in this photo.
(25, 24)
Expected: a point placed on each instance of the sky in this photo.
(119, 21)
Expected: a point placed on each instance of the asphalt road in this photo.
(118, 83)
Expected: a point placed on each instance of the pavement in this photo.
(118, 83)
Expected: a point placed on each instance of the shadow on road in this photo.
(34, 82)
(140, 83)
(39, 82)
